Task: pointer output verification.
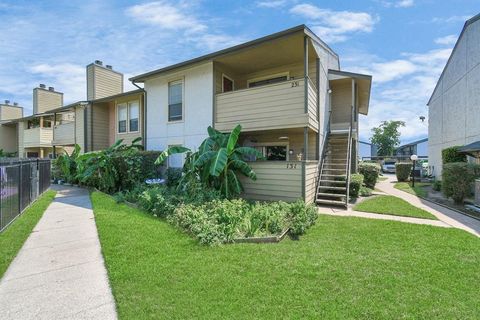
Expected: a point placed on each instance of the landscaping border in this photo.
(269, 239)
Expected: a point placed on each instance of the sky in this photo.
(403, 44)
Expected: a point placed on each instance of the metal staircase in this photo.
(333, 182)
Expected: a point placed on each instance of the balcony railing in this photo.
(37, 137)
(64, 134)
(275, 106)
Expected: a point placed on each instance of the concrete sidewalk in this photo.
(59, 273)
(450, 217)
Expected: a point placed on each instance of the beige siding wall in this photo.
(8, 138)
(100, 126)
(274, 106)
(275, 181)
(64, 134)
(311, 176)
(20, 133)
(103, 82)
(46, 100)
(341, 101)
(37, 137)
(10, 112)
(80, 127)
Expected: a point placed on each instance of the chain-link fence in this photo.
(21, 182)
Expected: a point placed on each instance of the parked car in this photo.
(388, 166)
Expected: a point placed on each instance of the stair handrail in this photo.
(349, 157)
(324, 150)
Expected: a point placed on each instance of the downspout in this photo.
(144, 138)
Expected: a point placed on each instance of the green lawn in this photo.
(419, 189)
(394, 206)
(343, 268)
(12, 238)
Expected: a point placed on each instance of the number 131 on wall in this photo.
(291, 166)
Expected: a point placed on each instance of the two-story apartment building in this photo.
(454, 107)
(289, 95)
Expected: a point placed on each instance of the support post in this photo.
(305, 70)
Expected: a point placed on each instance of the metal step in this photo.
(332, 195)
(330, 202)
(333, 181)
(331, 175)
(332, 188)
(327, 169)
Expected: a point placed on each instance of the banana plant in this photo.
(67, 163)
(217, 161)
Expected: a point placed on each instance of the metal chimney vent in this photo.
(15, 104)
(42, 86)
(7, 102)
(51, 89)
(109, 67)
(99, 62)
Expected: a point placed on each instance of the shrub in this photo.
(356, 182)
(437, 185)
(451, 154)
(173, 176)
(403, 171)
(370, 172)
(301, 216)
(457, 180)
(149, 169)
(365, 192)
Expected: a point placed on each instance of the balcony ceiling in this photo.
(278, 52)
(364, 84)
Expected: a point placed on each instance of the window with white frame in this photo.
(175, 101)
(133, 116)
(122, 117)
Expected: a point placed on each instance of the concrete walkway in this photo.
(59, 273)
(448, 216)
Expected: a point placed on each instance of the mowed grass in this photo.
(343, 268)
(13, 237)
(418, 190)
(394, 206)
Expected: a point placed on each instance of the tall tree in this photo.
(387, 137)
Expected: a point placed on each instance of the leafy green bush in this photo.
(173, 176)
(370, 172)
(451, 154)
(301, 216)
(458, 179)
(356, 182)
(149, 169)
(403, 171)
(437, 185)
(365, 191)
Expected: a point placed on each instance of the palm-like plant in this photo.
(217, 161)
(67, 164)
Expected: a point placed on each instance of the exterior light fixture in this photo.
(414, 158)
(283, 138)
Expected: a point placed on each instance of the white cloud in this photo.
(452, 19)
(335, 26)
(447, 40)
(166, 15)
(404, 4)
(271, 3)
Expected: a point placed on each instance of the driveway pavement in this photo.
(59, 273)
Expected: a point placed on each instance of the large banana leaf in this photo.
(219, 162)
(248, 151)
(234, 185)
(170, 151)
(233, 139)
(244, 168)
(205, 157)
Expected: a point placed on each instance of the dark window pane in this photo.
(175, 112)
(133, 124)
(278, 153)
(122, 126)
(227, 84)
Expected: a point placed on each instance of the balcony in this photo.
(274, 106)
(37, 137)
(64, 134)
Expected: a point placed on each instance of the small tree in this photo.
(387, 137)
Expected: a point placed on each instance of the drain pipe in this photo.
(144, 115)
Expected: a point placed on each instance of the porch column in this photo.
(305, 143)
(305, 70)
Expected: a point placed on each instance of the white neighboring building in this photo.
(454, 107)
